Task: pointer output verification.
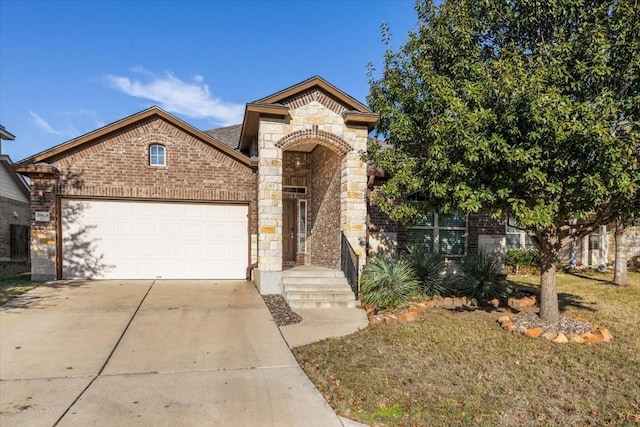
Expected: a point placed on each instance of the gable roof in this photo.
(315, 81)
(5, 134)
(275, 105)
(60, 149)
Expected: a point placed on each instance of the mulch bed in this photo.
(280, 310)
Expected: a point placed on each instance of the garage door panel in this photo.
(122, 240)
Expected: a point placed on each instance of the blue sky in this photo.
(69, 67)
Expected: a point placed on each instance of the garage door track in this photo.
(187, 353)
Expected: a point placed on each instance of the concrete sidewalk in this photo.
(322, 323)
(159, 353)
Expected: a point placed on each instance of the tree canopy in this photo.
(524, 109)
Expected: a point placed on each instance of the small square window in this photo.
(156, 155)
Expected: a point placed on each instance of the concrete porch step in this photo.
(305, 271)
(323, 304)
(317, 287)
(314, 280)
(318, 296)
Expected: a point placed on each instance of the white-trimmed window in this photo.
(443, 234)
(157, 155)
(518, 239)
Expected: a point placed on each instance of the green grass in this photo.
(460, 368)
(11, 287)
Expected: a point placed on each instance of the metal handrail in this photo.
(349, 263)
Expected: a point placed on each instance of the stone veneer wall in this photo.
(324, 215)
(117, 166)
(314, 117)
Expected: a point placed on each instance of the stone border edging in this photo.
(598, 334)
(416, 311)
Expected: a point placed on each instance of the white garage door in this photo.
(144, 240)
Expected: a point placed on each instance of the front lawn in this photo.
(11, 287)
(461, 368)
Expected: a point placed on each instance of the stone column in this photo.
(269, 208)
(353, 188)
(43, 230)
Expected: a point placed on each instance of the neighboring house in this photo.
(150, 196)
(593, 250)
(14, 210)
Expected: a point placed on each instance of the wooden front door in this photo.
(288, 230)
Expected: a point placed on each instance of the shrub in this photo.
(479, 277)
(428, 267)
(388, 283)
(522, 259)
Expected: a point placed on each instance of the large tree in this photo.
(525, 109)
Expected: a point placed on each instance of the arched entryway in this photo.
(311, 208)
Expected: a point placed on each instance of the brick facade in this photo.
(117, 166)
(337, 183)
(309, 135)
(388, 236)
(324, 212)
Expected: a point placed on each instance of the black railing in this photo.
(349, 263)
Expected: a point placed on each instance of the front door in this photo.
(288, 230)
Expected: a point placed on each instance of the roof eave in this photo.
(322, 83)
(120, 124)
(360, 119)
(252, 113)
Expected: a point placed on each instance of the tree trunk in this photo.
(548, 243)
(620, 276)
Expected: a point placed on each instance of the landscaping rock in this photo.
(549, 335)
(575, 338)
(407, 317)
(594, 336)
(508, 326)
(560, 338)
(534, 332)
(606, 335)
(504, 318)
(390, 319)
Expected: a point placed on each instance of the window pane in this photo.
(594, 240)
(303, 226)
(420, 236)
(452, 220)
(452, 242)
(528, 244)
(513, 241)
(426, 221)
(156, 155)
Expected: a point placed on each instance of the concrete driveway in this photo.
(188, 353)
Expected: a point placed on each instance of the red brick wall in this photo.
(324, 211)
(477, 224)
(117, 166)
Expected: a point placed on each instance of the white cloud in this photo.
(43, 125)
(81, 114)
(192, 99)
